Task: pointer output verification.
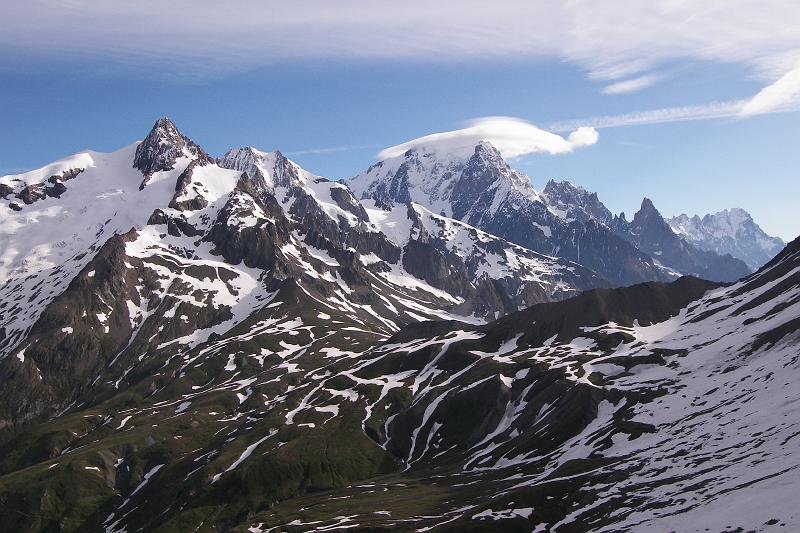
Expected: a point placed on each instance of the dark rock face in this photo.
(426, 262)
(263, 172)
(396, 189)
(589, 244)
(580, 232)
(56, 190)
(195, 201)
(5, 190)
(162, 146)
(345, 199)
(429, 257)
(647, 303)
(32, 193)
(67, 175)
(255, 246)
(52, 187)
(474, 191)
(56, 367)
(653, 235)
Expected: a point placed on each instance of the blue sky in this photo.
(332, 93)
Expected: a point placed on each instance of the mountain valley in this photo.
(191, 343)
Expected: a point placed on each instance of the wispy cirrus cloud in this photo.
(631, 85)
(332, 149)
(731, 109)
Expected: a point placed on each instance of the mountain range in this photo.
(236, 344)
(732, 231)
(478, 187)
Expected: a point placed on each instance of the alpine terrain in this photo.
(475, 185)
(191, 343)
(732, 231)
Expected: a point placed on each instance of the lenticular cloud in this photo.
(513, 137)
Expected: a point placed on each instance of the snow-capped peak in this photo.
(461, 148)
(163, 146)
(729, 220)
(442, 175)
(267, 169)
(730, 231)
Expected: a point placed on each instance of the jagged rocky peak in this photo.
(735, 216)
(647, 208)
(567, 192)
(486, 152)
(575, 202)
(241, 158)
(684, 219)
(163, 146)
(485, 179)
(245, 159)
(648, 223)
(487, 158)
(647, 214)
(266, 169)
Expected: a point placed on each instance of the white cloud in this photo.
(513, 137)
(331, 149)
(583, 136)
(731, 109)
(631, 85)
(616, 41)
(714, 110)
(613, 39)
(781, 95)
